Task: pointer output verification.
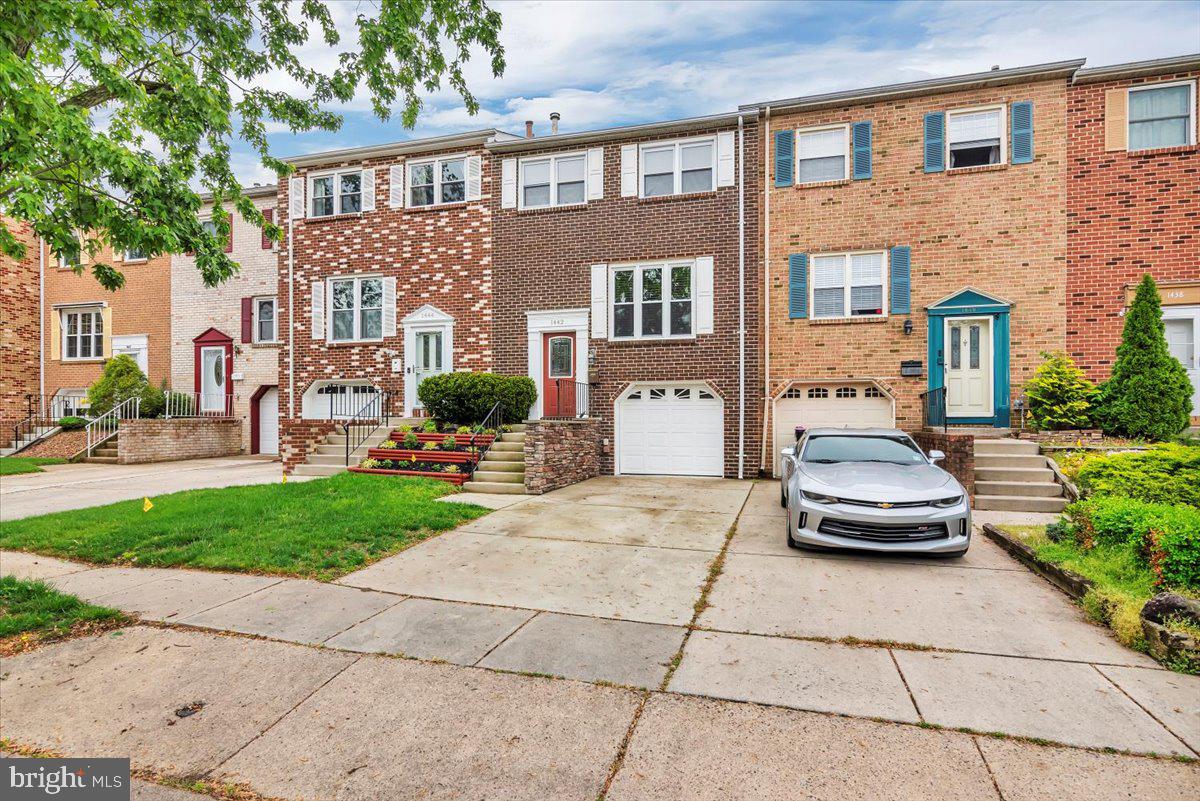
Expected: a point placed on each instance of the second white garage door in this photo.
(837, 406)
(668, 429)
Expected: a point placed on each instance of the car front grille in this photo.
(876, 504)
(873, 532)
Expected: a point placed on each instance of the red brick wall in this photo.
(18, 329)
(1128, 214)
(543, 260)
(164, 440)
(559, 453)
(297, 438)
(960, 454)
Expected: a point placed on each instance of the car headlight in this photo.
(817, 497)
(946, 503)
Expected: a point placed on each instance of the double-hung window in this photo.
(675, 168)
(83, 334)
(975, 137)
(553, 181)
(432, 183)
(1162, 115)
(335, 193)
(652, 301)
(134, 254)
(357, 309)
(823, 155)
(849, 285)
(265, 329)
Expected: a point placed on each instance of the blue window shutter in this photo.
(901, 266)
(860, 136)
(1022, 132)
(785, 146)
(935, 141)
(798, 285)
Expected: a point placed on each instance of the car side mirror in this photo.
(936, 456)
(788, 452)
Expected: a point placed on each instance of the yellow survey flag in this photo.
(285, 478)
(146, 505)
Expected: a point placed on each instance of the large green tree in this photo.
(111, 111)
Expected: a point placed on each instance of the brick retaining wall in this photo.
(560, 452)
(960, 455)
(164, 440)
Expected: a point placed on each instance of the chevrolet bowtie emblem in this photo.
(886, 505)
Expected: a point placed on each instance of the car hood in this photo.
(873, 481)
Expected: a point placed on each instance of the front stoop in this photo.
(502, 469)
(328, 457)
(105, 452)
(1011, 475)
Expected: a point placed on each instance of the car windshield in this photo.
(835, 449)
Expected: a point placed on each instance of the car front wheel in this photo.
(788, 528)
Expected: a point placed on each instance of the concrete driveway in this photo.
(75, 486)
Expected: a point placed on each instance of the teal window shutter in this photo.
(935, 141)
(798, 286)
(901, 267)
(860, 136)
(1022, 132)
(785, 146)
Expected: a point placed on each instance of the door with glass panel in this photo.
(429, 358)
(212, 380)
(558, 385)
(1182, 324)
(968, 367)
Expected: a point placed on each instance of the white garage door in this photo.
(847, 405)
(268, 422)
(669, 429)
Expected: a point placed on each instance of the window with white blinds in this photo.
(1161, 116)
(821, 155)
(848, 285)
(976, 138)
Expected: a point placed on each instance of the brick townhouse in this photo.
(225, 339)
(621, 281)
(20, 324)
(915, 241)
(388, 278)
(1133, 199)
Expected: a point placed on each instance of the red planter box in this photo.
(451, 457)
(459, 439)
(450, 478)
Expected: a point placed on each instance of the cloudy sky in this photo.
(611, 63)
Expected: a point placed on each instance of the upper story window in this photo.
(210, 227)
(975, 137)
(65, 262)
(82, 334)
(265, 326)
(357, 309)
(823, 154)
(848, 285)
(675, 168)
(134, 254)
(553, 181)
(1162, 115)
(335, 193)
(437, 181)
(652, 301)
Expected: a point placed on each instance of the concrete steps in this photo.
(502, 469)
(494, 488)
(28, 439)
(328, 457)
(104, 453)
(1011, 475)
(1018, 503)
(498, 476)
(307, 469)
(1039, 489)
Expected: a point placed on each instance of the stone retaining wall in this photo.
(560, 452)
(960, 454)
(163, 440)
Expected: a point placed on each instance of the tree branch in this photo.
(97, 95)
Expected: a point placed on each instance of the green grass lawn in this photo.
(15, 465)
(319, 529)
(34, 608)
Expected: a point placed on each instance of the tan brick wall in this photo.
(195, 308)
(142, 441)
(18, 329)
(999, 229)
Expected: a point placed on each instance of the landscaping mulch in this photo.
(63, 445)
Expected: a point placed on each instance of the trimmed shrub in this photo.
(121, 380)
(71, 423)
(154, 400)
(467, 397)
(1148, 395)
(1060, 396)
(1166, 473)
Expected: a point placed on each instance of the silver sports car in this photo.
(872, 489)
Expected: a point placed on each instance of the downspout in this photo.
(741, 297)
(291, 314)
(766, 432)
(42, 344)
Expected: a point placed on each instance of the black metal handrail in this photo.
(364, 422)
(494, 420)
(571, 401)
(933, 406)
(39, 413)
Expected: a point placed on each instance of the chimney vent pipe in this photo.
(554, 118)
(528, 129)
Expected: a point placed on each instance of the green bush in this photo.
(1060, 396)
(468, 397)
(1167, 538)
(1111, 520)
(71, 423)
(1166, 473)
(1148, 395)
(1173, 548)
(411, 442)
(121, 380)
(154, 401)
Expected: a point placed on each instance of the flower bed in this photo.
(461, 439)
(403, 455)
(440, 471)
(442, 451)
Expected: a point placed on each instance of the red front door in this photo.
(558, 375)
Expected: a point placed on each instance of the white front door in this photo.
(670, 430)
(212, 380)
(268, 422)
(428, 350)
(968, 358)
(1182, 325)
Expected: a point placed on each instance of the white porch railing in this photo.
(197, 404)
(105, 427)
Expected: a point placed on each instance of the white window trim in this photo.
(98, 313)
(846, 254)
(638, 268)
(337, 196)
(678, 144)
(1003, 109)
(847, 154)
(329, 309)
(1191, 128)
(553, 159)
(125, 257)
(437, 180)
(274, 320)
